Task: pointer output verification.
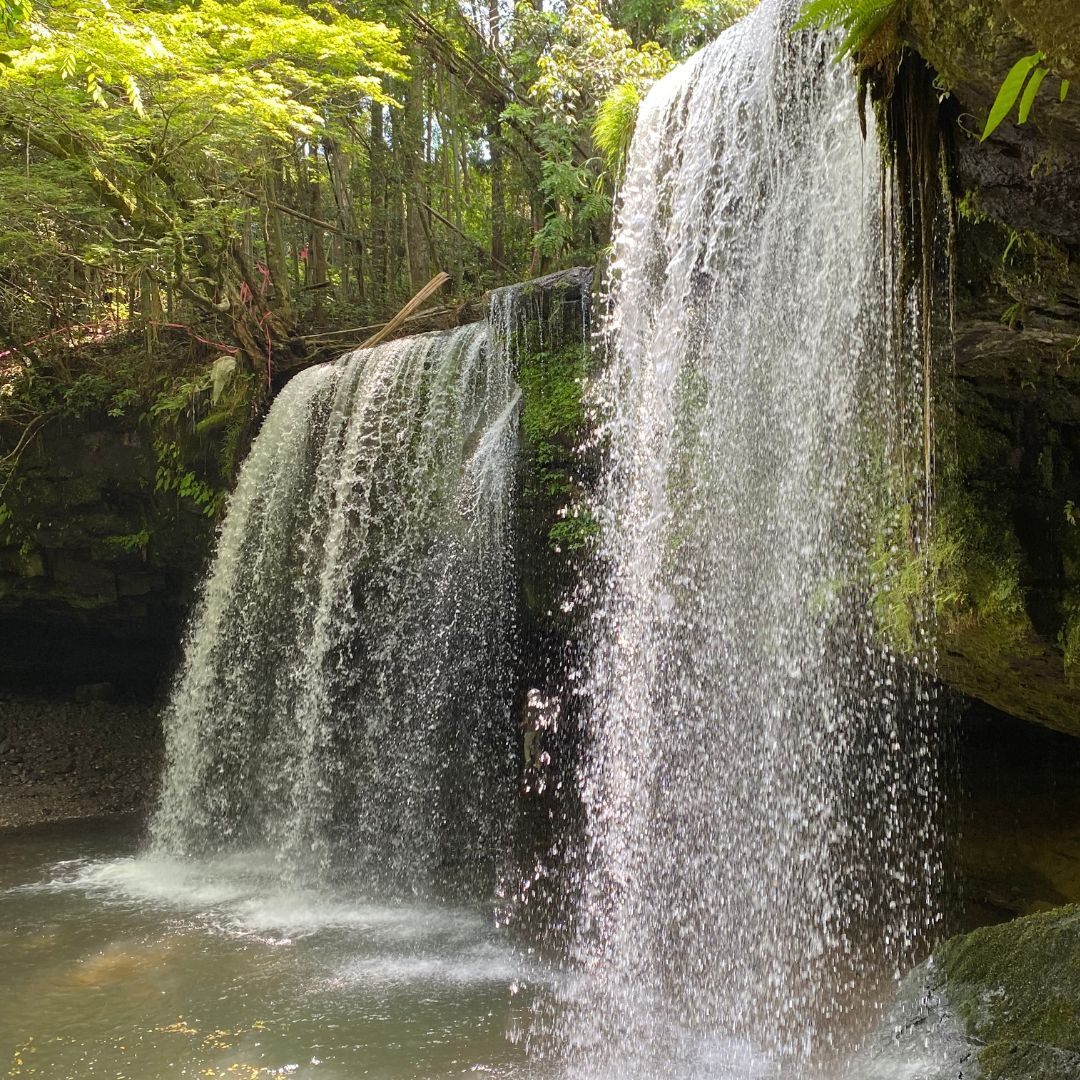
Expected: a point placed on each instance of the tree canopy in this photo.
(236, 176)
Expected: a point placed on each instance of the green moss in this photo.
(551, 385)
(578, 530)
(971, 577)
(1016, 988)
(961, 39)
(553, 416)
(977, 563)
(898, 578)
(229, 425)
(129, 543)
(970, 572)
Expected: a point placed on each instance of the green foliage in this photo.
(175, 400)
(180, 181)
(229, 424)
(681, 26)
(173, 476)
(694, 23)
(578, 530)
(122, 400)
(130, 543)
(134, 147)
(257, 66)
(573, 63)
(13, 13)
(613, 128)
(1023, 81)
(859, 20)
(553, 417)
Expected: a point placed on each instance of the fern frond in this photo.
(614, 125)
(859, 19)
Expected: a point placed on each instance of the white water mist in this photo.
(344, 701)
(760, 788)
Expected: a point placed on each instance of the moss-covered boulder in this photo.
(1015, 988)
(1001, 1003)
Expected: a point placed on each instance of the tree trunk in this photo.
(276, 256)
(411, 152)
(317, 251)
(377, 179)
(498, 197)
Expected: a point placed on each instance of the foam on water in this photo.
(239, 895)
(480, 964)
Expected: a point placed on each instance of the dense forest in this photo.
(207, 178)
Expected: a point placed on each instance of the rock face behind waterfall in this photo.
(1009, 451)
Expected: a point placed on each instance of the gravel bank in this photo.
(62, 759)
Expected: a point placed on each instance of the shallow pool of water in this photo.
(118, 966)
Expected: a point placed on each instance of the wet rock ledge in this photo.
(1001, 1003)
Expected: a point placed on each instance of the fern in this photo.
(614, 126)
(14, 13)
(859, 20)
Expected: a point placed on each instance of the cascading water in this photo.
(343, 701)
(760, 794)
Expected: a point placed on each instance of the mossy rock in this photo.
(966, 39)
(1025, 176)
(1000, 1003)
(1015, 988)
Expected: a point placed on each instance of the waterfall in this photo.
(343, 702)
(760, 840)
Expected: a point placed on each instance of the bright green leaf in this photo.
(1010, 91)
(1032, 88)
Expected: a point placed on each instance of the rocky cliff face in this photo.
(1001, 1003)
(1008, 521)
(96, 565)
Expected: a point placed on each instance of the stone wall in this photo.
(1008, 414)
(97, 567)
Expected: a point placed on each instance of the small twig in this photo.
(429, 314)
(289, 211)
(464, 236)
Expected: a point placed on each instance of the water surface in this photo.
(118, 966)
